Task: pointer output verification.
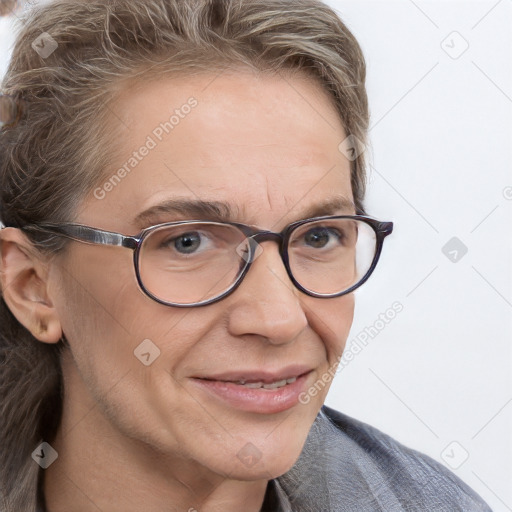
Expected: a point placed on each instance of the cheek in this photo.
(331, 319)
(114, 330)
(102, 314)
(344, 314)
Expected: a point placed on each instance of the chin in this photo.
(282, 464)
(265, 469)
(257, 456)
(269, 458)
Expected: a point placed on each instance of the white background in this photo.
(441, 153)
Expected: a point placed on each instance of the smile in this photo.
(262, 395)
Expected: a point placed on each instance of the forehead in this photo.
(265, 144)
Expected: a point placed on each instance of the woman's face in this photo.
(268, 147)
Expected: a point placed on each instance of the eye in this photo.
(319, 237)
(186, 243)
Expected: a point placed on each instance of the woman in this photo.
(159, 350)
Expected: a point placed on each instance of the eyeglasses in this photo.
(195, 263)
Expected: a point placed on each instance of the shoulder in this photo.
(416, 481)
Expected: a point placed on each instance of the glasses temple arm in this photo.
(87, 234)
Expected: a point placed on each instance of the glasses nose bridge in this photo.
(263, 236)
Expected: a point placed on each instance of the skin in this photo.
(135, 437)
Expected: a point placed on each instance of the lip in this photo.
(259, 375)
(256, 400)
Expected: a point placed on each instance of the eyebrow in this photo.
(198, 209)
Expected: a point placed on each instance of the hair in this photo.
(58, 149)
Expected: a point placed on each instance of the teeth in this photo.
(253, 385)
(271, 385)
(275, 385)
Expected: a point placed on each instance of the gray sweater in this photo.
(349, 466)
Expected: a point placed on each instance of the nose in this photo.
(267, 303)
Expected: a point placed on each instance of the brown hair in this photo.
(55, 154)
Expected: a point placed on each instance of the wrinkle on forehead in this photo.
(262, 143)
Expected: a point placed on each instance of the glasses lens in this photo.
(196, 262)
(191, 263)
(332, 255)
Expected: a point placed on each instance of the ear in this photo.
(24, 284)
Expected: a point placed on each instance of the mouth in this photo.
(262, 385)
(257, 391)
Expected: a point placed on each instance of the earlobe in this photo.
(46, 325)
(24, 284)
